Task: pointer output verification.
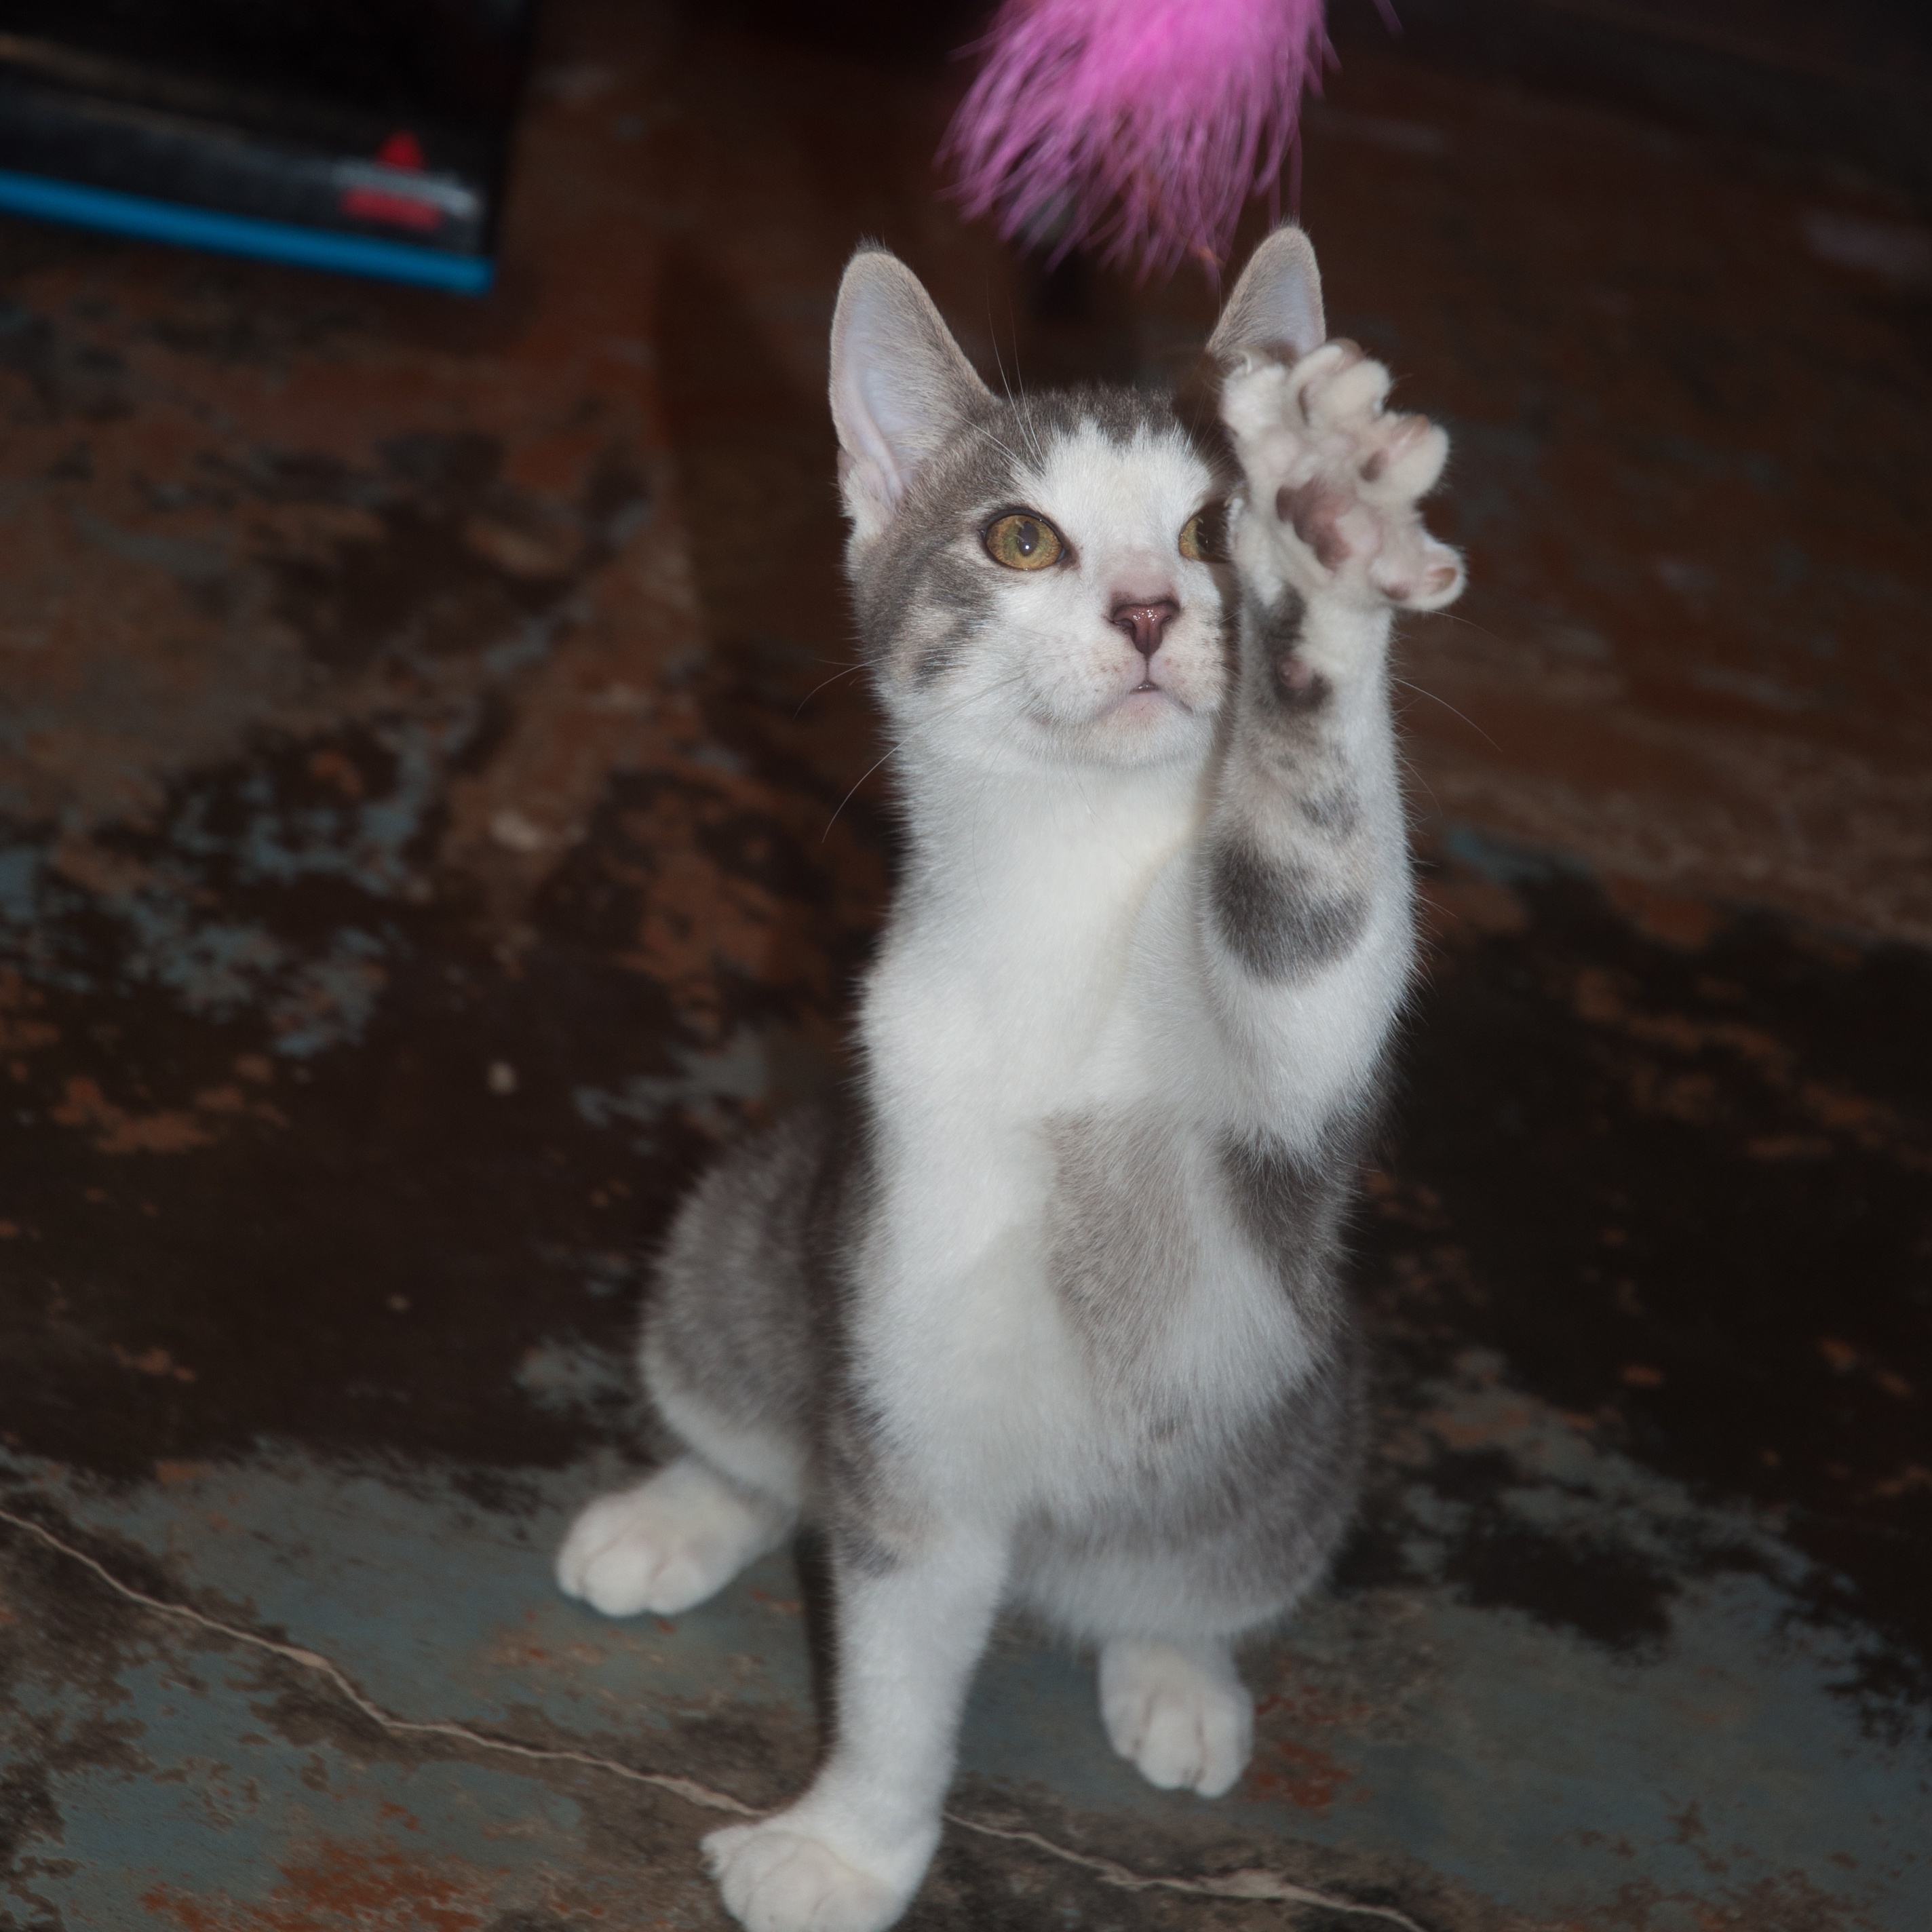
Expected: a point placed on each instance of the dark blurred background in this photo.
(437, 804)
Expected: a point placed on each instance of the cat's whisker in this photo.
(1422, 691)
(861, 779)
(849, 670)
(1411, 771)
(899, 743)
(1016, 405)
(1024, 407)
(1006, 449)
(1029, 429)
(999, 361)
(1014, 400)
(1016, 397)
(1482, 630)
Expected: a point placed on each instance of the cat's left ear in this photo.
(1276, 309)
(902, 388)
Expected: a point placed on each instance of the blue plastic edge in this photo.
(240, 234)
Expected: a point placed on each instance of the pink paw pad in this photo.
(1346, 476)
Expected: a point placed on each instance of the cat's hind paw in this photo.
(775, 1879)
(1329, 468)
(1181, 1718)
(666, 1545)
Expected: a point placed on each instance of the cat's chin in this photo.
(1148, 700)
(1147, 728)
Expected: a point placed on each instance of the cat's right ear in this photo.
(901, 390)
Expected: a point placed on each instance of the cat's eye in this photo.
(1022, 541)
(1203, 537)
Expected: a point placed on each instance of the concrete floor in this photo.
(434, 813)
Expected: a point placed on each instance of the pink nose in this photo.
(1145, 623)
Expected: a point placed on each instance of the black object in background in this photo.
(368, 135)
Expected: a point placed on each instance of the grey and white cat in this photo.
(1048, 1313)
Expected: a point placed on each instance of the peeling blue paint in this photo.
(1434, 1719)
(740, 1070)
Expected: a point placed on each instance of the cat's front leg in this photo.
(848, 1856)
(1305, 890)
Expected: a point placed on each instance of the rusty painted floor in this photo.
(433, 811)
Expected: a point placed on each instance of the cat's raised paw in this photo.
(665, 1546)
(1182, 1718)
(776, 1880)
(1327, 465)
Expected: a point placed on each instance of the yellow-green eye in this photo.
(1203, 537)
(1024, 542)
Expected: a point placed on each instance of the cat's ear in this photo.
(901, 389)
(1276, 309)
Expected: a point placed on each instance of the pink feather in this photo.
(1139, 127)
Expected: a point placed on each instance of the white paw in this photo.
(1181, 1718)
(666, 1545)
(773, 1878)
(1341, 476)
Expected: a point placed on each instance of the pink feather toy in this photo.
(1138, 127)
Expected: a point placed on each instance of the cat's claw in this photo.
(1335, 480)
(774, 1878)
(665, 1546)
(1185, 1722)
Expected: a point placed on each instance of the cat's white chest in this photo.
(1000, 1003)
(992, 1013)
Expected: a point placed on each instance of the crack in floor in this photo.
(688, 1789)
(1257, 1884)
